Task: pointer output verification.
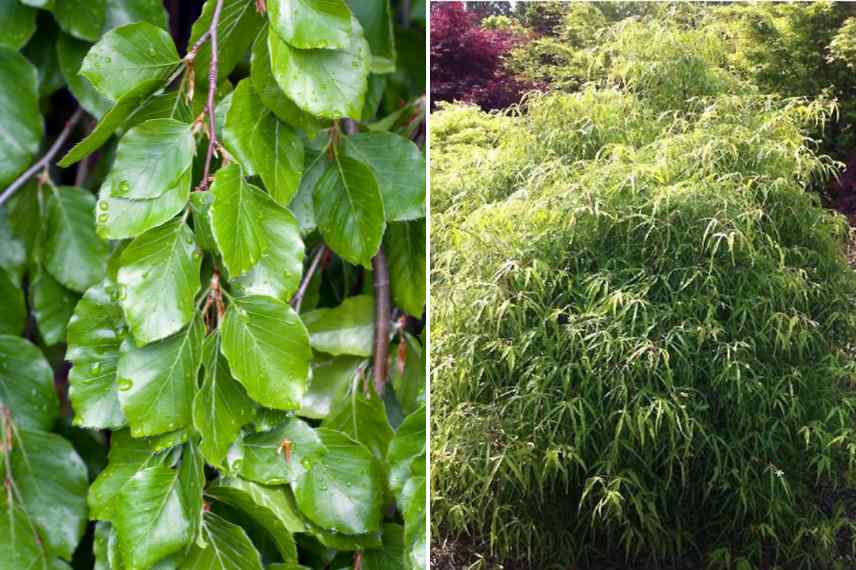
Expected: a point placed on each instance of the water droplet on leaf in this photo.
(125, 384)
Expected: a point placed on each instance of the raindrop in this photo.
(103, 205)
(238, 463)
(102, 218)
(125, 384)
(95, 367)
(107, 59)
(124, 187)
(306, 463)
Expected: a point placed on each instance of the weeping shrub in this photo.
(642, 350)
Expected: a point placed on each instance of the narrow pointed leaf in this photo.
(128, 57)
(349, 210)
(263, 144)
(26, 384)
(73, 253)
(326, 83)
(150, 519)
(158, 381)
(151, 159)
(346, 329)
(159, 276)
(307, 24)
(268, 351)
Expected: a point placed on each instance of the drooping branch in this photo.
(307, 277)
(45, 160)
(382, 317)
(212, 91)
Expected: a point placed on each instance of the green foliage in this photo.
(217, 300)
(641, 322)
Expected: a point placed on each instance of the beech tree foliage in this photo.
(212, 260)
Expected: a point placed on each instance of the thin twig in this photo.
(45, 160)
(212, 90)
(382, 315)
(307, 277)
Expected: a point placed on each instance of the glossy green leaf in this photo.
(191, 482)
(309, 24)
(415, 542)
(263, 144)
(20, 545)
(151, 159)
(118, 218)
(159, 277)
(363, 419)
(13, 312)
(301, 204)
(52, 306)
(268, 351)
(238, 26)
(270, 93)
(404, 245)
(122, 12)
(227, 547)
(337, 482)
(236, 220)
(73, 254)
(51, 481)
(129, 57)
(405, 448)
(95, 334)
(408, 373)
(82, 19)
(108, 124)
(128, 455)
(150, 519)
(278, 272)
(26, 384)
(391, 556)
(70, 53)
(273, 508)
(375, 16)
(16, 243)
(221, 407)
(326, 83)
(331, 378)
(166, 105)
(399, 168)
(349, 210)
(346, 329)
(19, 114)
(157, 382)
(17, 24)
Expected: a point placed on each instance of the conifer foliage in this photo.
(215, 269)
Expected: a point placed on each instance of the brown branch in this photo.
(382, 316)
(212, 91)
(307, 277)
(45, 160)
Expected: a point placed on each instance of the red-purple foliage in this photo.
(466, 60)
